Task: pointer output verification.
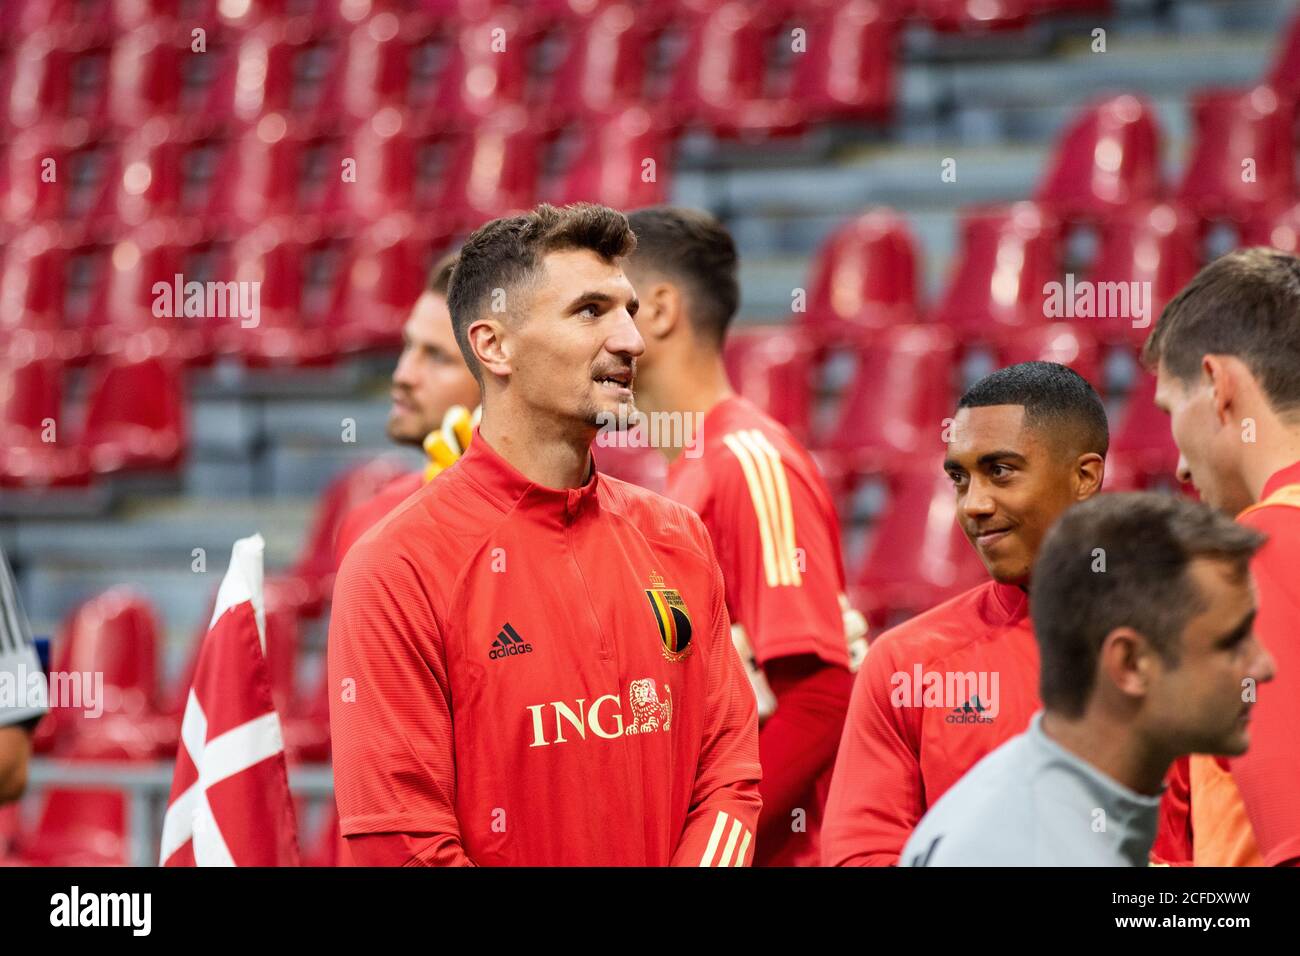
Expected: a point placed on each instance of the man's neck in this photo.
(691, 387)
(1277, 446)
(552, 454)
(1109, 745)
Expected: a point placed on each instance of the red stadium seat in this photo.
(1278, 227)
(487, 72)
(772, 366)
(894, 409)
(1157, 245)
(54, 83)
(31, 411)
(1243, 160)
(299, 286)
(847, 72)
(623, 163)
(80, 827)
(1143, 440)
(722, 78)
(384, 278)
(75, 185)
(33, 304)
(603, 69)
(398, 171)
(918, 555)
(114, 635)
(135, 416)
(181, 186)
(1074, 345)
(306, 586)
(863, 279)
(281, 174)
(297, 77)
(1107, 159)
(1007, 256)
(493, 171)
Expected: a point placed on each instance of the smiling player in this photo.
(1028, 441)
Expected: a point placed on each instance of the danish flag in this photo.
(230, 802)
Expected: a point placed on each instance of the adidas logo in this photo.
(508, 644)
(971, 712)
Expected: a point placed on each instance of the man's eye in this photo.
(957, 479)
(1000, 471)
(589, 310)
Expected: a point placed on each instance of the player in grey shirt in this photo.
(19, 665)
(1143, 607)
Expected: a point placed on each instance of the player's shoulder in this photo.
(436, 524)
(654, 515)
(743, 441)
(938, 631)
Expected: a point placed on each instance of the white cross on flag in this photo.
(230, 802)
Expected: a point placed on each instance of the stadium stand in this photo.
(901, 189)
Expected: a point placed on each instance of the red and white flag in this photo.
(230, 802)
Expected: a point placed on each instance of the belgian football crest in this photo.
(673, 618)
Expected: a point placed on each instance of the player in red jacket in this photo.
(768, 512)
(532, 661)
(944, 688)
(1226, 352)
(429, 381)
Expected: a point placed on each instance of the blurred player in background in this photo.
(768, 511)
(1027, 442)
(1226, 352)
(539, 655)
(1143, 661)
(19, 712)
(433, 395)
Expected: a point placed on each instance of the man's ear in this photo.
(1222, 372)
(1090, 472)
(490, 346)
(661, 309)
(1124, 660)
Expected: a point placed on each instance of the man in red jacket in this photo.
(532, 662)
(768, 512)
(1226, 352)
(943, 689)
(429, 381)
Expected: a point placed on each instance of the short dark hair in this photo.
(1147, 540)
(1245, 304)
(694, 249)
(440, 275)
(1055, 398)
(507, 252)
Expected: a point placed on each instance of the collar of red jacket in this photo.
(1290, 475)
(506, 484)
(1009, 604)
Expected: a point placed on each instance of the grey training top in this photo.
(1033, 803)
(20, 665)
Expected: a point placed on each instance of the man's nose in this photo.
(977, 501)
(1265, 669)
(404, 373)
(624, 338)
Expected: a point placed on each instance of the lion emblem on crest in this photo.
(649, 713)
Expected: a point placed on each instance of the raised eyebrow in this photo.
(994, 457)
(1240, 631)
(587, 298)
